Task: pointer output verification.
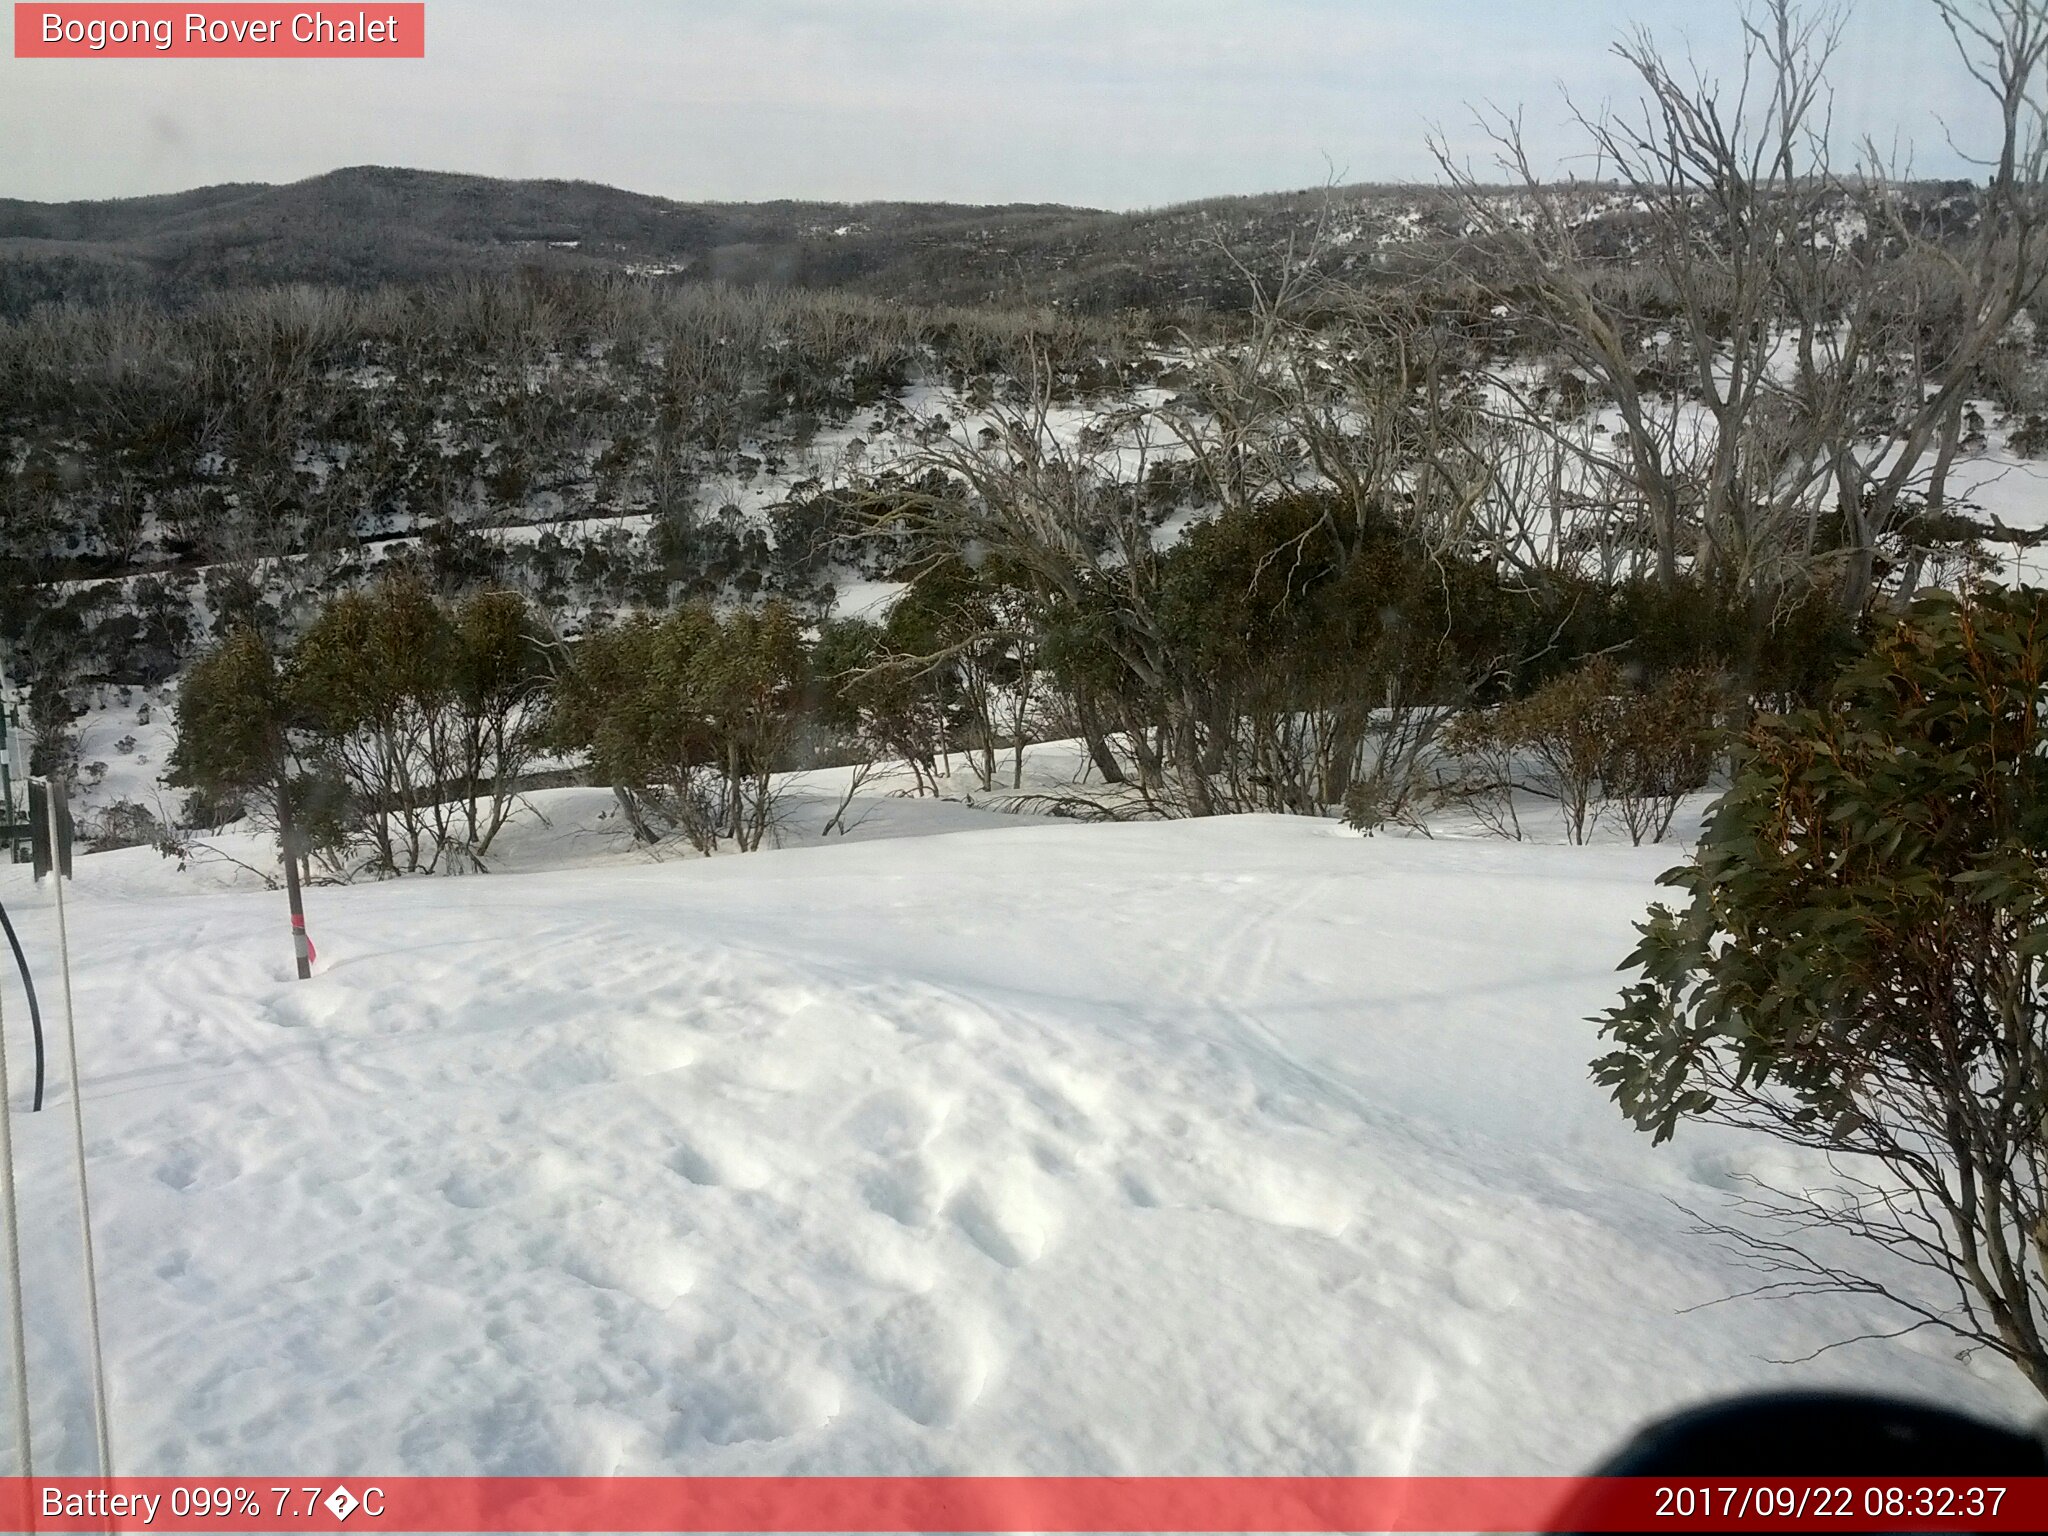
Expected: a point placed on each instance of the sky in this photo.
(1103, 103)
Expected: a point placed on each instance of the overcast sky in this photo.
(1111, 103)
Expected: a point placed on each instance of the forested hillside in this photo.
(1357, 500)
(372, 225)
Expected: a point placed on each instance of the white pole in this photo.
(92, 1288)
(24, 1460)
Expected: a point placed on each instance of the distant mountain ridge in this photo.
(370, 225)
(373, 224)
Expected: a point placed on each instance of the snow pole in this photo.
(10, 1232)
(54, 795)
(302, 942)
(28, 985)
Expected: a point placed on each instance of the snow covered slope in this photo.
(1237, 1146)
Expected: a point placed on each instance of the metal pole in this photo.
(24, 1457)
(302, 945)
(92, 1286)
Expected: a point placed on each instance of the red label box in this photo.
(1075, 1506)
(372, 30)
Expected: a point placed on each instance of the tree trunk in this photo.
(1098, 743)
(629, 807)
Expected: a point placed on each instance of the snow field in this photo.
(1244, 1146)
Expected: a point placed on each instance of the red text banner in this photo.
(237, 31)
(1017, 1504)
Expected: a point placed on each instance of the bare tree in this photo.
(1773, 378)
(1983, 282)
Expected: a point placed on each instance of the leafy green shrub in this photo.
(1858, 966)
(1365, 806)
(1306, 648)
(865, 694)
(403, 725)
(689, 717)
(239, 749)
(428, 714)
(232, 721)
(1783, 647)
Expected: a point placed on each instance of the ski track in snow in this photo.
(1245, 1146)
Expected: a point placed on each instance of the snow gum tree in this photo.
(429, 713)
(401, 725)
(1786, 345)
(1858, 967)
(235, 744)
(231, 721)
(688, 718)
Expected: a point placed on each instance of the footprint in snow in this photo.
(1483, 1280)
(185, 1169)
(930, 1365)
(1009, 1226)
(907, 1191)
(716, 1167)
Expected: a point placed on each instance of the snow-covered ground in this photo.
(1247, 1145)
(2011, 489)
(125, 737)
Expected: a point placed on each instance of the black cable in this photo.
(35, 1013)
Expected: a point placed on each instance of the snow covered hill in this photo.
(1205, 1147)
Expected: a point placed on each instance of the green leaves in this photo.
(375, 656)
(497, 655)
(232, 715)
(662, 704)
(1869, 901)
(389, 705)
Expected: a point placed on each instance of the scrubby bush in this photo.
(1298, 650)
(427, 714)
(124, 824)
(1858, 963)
(881, 707)
(1666, 737)
(688, 718)
(233, 721)
(1589, 740)
(239, 750)
(400, 725)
